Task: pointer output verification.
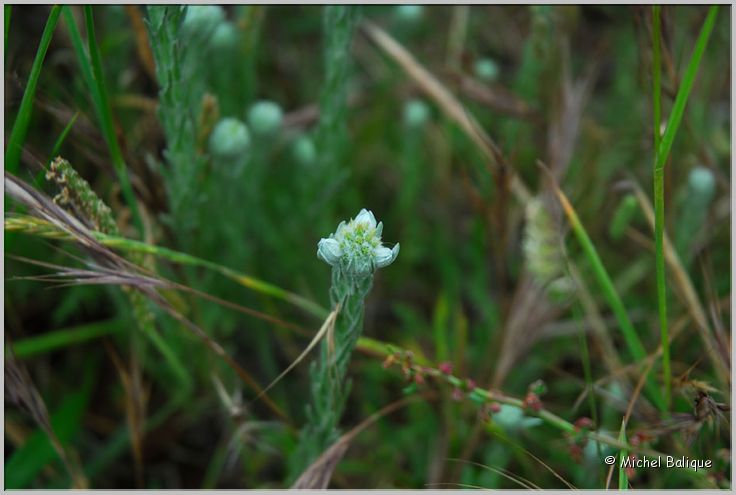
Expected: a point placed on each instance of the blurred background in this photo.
(229, 140)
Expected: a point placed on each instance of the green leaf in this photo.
(57, 339)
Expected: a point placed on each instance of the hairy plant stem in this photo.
(330, 387)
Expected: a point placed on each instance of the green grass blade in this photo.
(105, 114)
(656, 75)
(678, 109)
(662, 152)
(30, 225)
(623, 478)
(84, 65)
(58, 339)
(238, 277)
(22, 121)
(636, 349)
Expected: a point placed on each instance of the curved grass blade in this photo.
(93, 65)
(636, 349)
(32, 225)
(58, 339)
(22, 121)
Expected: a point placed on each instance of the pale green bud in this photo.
(486, 69)
(512, 419)
(225, 36)
(265, 117)
(229, 139)
(409, 13)
(304, 150)
(702, 183)
(416, 113)
(201, 20)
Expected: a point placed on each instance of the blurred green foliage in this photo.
(572, 89)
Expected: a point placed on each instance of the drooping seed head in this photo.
(543, 251)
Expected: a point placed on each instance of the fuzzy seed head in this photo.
(542, 249)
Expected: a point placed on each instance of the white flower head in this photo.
(356, 246)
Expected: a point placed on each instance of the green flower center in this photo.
(359, 240)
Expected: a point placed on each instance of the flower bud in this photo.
(304, 150)
(409, 14)
(416, 113)
(225, 36)
(486, 69)
(356, 246)
(201, 20)
(265, 117)
(229, 139)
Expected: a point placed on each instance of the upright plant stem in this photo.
(662, 152)
(339, 21)
(659, 209)
(328, 374)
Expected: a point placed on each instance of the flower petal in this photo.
(340, 232)
(383, 256)
(366, 216)
(379, 229)
(329, 251)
